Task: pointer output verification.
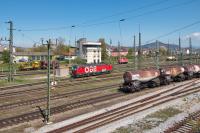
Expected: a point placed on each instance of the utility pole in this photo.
(56, 41)
(10, 76)
(190, 49)
(157, 54)
(180, 52)
(134, 52)
(139, 51)
(48, 78)
(47, 111)
(110, 54)
(168, 50)
(119, 48)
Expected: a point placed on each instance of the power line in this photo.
(143, 14)
(48, 29)
(162, 9)
(114, 21)
(174, 31)
(129, 11)
(102, 18)
(27, 37)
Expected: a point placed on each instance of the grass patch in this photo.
(164, 114)
(195, 126)
(150, 121)
(5, 67)
(154, 119)
(18, 80)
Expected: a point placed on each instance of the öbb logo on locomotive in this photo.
(90, 69)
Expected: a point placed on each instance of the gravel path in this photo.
(133, 124)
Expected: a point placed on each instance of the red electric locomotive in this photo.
(122, 60)
(90, 69)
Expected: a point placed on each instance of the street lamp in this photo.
(73, 26)
(120, 32)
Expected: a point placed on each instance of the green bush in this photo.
(5, 56)
(78, 60)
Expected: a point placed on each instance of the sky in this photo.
(94, 19)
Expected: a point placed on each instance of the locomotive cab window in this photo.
(74, 67)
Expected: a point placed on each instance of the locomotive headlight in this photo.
(182, 69)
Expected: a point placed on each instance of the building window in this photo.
(38, 57)
(33, 57)
(42, 57)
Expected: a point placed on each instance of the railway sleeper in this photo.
(181, 131)
(186, 128)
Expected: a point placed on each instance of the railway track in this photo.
(189, 124)
(39, 89)
(105, 118)
(60, 80)
(23, 74)
(58, 96)
(55, 110)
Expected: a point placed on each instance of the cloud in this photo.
(194, 35)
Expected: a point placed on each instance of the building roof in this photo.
(1, 49)
(31, 53)
(92, 43)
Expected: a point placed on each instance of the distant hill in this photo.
(152, 46)
(161, 44)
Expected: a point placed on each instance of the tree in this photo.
(39, 48)
(163, 50)
(5, 56)
(78, 60)
(130, 53)
(60, 41)
(19, 49)
(61, 49)
(104, 54)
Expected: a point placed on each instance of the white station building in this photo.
(91, 51)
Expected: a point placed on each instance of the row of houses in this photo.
(88, 50)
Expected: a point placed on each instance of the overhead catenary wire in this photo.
(129, 11)
(102, 18)
(27, 37)
(107, 22)
(140, 15)
(113, 21)
(174, 31)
